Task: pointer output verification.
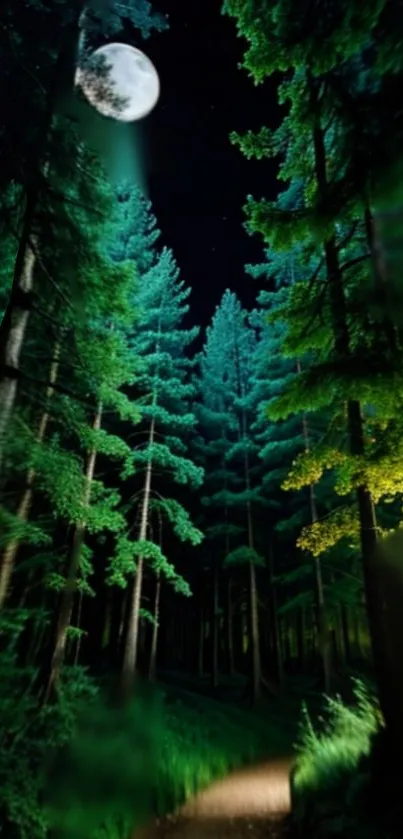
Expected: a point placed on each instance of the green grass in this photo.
(127, 766)
(330, 775)
(325, 755)
(205, 739)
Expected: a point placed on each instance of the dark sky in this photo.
(198, 182)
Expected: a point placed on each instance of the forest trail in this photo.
(250, 803)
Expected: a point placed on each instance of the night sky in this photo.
(197, 181)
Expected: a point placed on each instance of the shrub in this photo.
(332, 750)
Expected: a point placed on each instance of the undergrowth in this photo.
(335, 745)
(331, 769)
(82, 768)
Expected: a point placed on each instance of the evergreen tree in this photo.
(233, 341)
(163, 384)
(324, 222)
(33, 160)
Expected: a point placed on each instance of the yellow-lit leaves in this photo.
(323, 535)
(308, 467)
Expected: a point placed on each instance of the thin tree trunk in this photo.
(78, 621)
(215, 600)
(106, 632)
(131, 646)
(275, 620)
(200, 650)
(8, 558)
(301, 631)
(344, 617)
(323, 629)
(154, 638)
(357, 634)
(255, 639)
(254, 610)
(230, 635)
(16, 317)
(68, 595)
(380, 277)
(14, 327)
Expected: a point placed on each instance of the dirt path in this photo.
(249, 804)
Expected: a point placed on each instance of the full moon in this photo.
(120, 82)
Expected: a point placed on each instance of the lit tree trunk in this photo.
(131, 645)
(154, 639)
(8, 558)
(68, 594)
(215, 618)
(16, 317)
(14, 327)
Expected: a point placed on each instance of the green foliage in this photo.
(327, 756)
(29, 732)
(204, 742)
(242, 556)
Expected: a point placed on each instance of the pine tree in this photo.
(96, 361)
(216, 425)
(161, 343)
(312, 122)
(41, 151)
(233, 341)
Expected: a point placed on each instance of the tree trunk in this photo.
(215, 618)
(7, 561)
(16, 317)
(68, 594)
(275, 620)
(78, 622)
(380, 278)
(366, 511)
(323, 629)
(254, 609)
(131, 645)
(230, 635)
(357, 634)
(154, 638)
(344, 617)
(301, 630)
(200, 649)
(14, 327)
(255, 638)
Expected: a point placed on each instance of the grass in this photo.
(329, 777)
(205, 739)
(326, 754)
(125, 767)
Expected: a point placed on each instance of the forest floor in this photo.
(250, 803)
